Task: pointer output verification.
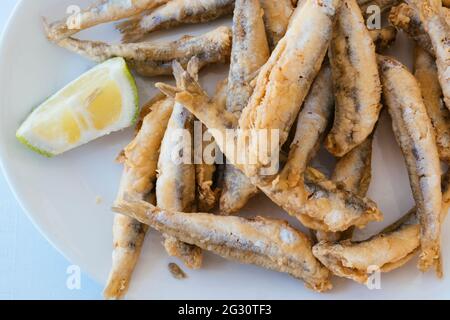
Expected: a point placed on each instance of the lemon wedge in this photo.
(101, 101)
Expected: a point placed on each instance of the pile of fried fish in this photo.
(310, 69)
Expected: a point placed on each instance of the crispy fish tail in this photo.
(129, 235)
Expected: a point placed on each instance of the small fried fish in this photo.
(356, 81)
(318, 203)
(415, 136)
(172, 14)
(250, 52)
(268, 243)
(101, 12)
(138, 178)
(175, 187)
(155, 58)
(284, 81)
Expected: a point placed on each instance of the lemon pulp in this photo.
(101, 109)
(99, 102)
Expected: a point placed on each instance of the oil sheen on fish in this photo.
(415, 135)
(140, 159)
(176, 187)
(172, 14)
(250, 52)
(425, 71)
(155, 58)
(101, 12)
(356, 81)
(276, 18)
(268, 243)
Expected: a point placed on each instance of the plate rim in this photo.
(60, 248)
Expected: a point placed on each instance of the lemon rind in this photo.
(134, 116)
(25, 142)
(134, 89)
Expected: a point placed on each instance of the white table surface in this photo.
(30, 268)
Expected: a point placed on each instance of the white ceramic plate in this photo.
(59, 194)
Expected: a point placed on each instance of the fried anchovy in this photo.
(357, 260)
(321, 205)
(384, 37)
(276, 18)
(312, 122)
(140, 159)
(172, 14)
(390, 249)
(101, 12)
(356, 81)
(435, 23)
(352, 173)
(155, 58)
(284, 81)
(415, 135)
(250, 52)
(425, 71)
(271, 244)
(175, 187)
